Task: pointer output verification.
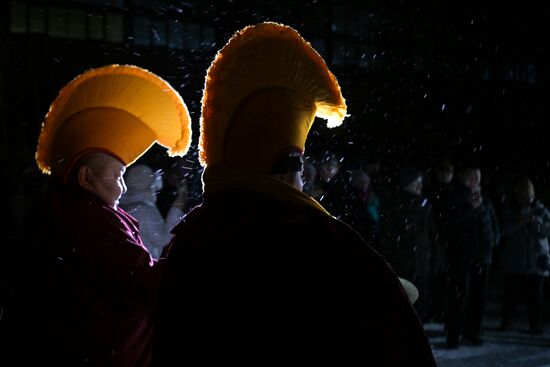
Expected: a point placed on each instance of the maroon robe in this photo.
(90, 286)
(253, 281)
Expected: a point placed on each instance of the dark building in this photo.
(419, 80)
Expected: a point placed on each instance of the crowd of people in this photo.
(443, 233)
(279, 257)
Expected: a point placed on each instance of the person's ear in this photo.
(85, 177)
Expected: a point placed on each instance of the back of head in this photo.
(310, 171)
(444, 171)
(524, 191)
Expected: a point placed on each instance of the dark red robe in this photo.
(252, 281)
(90, 286)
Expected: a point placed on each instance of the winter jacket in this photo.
(409, 236)
(470, 234)
(524, 243)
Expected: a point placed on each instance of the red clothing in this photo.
(253, 281)
(97, 286)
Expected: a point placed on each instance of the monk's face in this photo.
(107, 182)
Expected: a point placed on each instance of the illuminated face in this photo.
(107, 182)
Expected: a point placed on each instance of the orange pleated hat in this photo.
(262, 93)
(119, 109)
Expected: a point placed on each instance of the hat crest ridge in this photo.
(130, 88)
(258, 57)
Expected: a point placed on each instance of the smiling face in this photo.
(102, 174)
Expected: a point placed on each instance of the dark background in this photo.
(466, 81)
(421, 81)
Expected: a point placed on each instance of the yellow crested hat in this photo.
(262, 92)
(119, 109)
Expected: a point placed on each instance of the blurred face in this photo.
(360, 180)
(472, 179)
(526, 197)
(158, 183)
(328, 171)
(415, 187)
(310, 173)
(476, 180)
(105, 179)
(445, 177)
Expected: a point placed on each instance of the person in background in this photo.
(363, 211)
(260, 273)
(331, 185)
(311, 183)
(409, 236)
(469, 225)
(88, 286)
(179, 178)
(373, 163)
(140, 201)
(441, 184)
(524, 255)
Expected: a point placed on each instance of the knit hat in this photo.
(262, 92)
(407, 175)
(118, 109)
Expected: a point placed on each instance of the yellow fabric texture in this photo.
(114, 131)
(119, 109)
(251, 68)
(220, 178)
(261, 129)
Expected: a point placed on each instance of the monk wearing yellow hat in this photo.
(260, 274)
(92, 283)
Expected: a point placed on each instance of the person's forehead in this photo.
(114, 164)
